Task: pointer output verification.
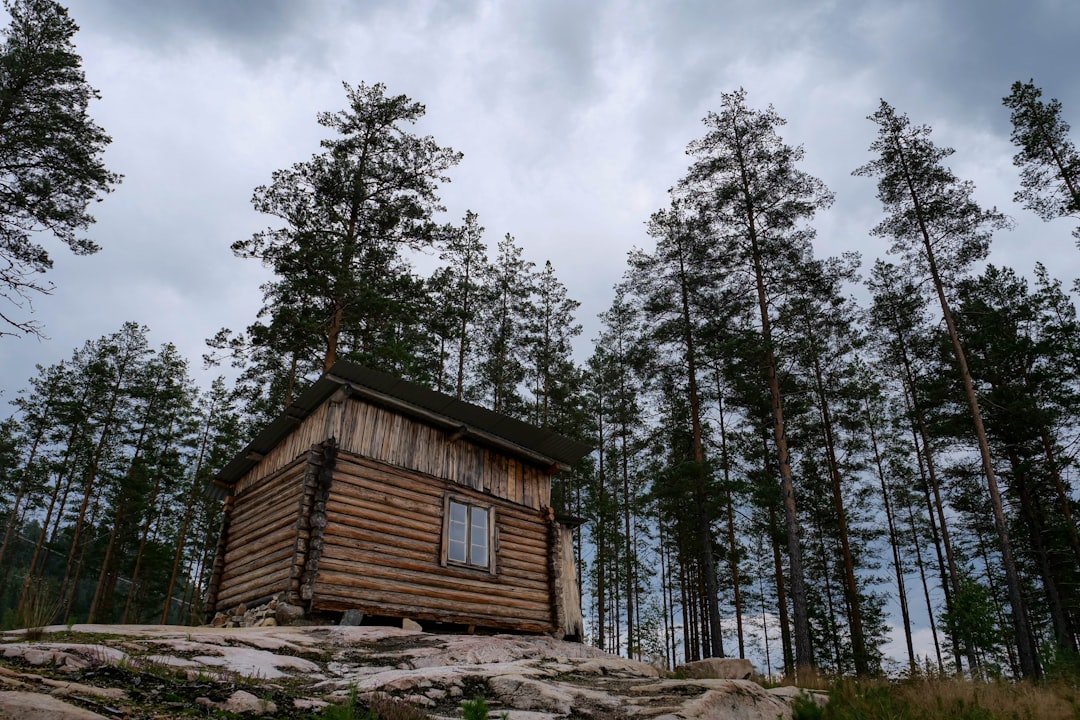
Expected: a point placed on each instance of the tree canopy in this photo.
(51, 165)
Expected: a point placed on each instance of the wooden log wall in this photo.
(386, 435)
(219, 560)
(258, 549)
(380, 552)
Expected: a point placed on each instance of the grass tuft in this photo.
(38, 609)
(949, 699)
(381, 707)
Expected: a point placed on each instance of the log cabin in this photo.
(376, 494)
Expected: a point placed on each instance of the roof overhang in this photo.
(462, 419)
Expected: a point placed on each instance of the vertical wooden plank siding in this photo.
(392, 438)
(382, 552)
(309, 432)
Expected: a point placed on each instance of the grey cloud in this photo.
(573, 117)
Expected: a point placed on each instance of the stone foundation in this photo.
(275, 612)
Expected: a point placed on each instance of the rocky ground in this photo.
(140, 671)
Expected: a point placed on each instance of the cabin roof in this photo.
(472, 421)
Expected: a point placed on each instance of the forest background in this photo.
(570, 146)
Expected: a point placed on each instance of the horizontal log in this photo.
(425, 584)
(359, 480)
(390, 538)
(383, 491)
(251, 589)
(253, 542)
(430, 508)
(523, 521)
(395, 564)
(414, 515)
(252, 516)
(456, 478)
(279, 561)
(511, 568)
(525, 544)
(254, 586)
(292, 476)
(362, 513)
(394, 542)
(278, 543)
(390, 595)
(364, 521)
(385, 499)
(244, 537)
(383, 607)
(257, 524)
(239, 564)
(251, 479)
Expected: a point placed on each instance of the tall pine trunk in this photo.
(851, 589)
(894, 541)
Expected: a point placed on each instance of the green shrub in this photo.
(380, 708)
(476, 709)
(806, 708)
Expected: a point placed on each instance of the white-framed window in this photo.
(468, 534)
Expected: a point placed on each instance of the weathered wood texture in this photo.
(219, 559)
(385, 435)
(380, 553)
(313, 517)
(569, 623)
(297, 443)
(259, 544)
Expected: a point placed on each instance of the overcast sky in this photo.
(573, 118)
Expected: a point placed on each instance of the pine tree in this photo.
(672, 282)
(50, 151)
(906, 344)
(745, 182)
(616, 386)
(549, 330)
(1048, 161)
(501, 370)
(1020, 347)
(347, 215)
(215, 443)
(940, 230)
(465, 255)
(824, 344)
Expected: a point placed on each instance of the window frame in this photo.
(492, 534)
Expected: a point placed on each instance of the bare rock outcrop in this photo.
(717, 669)
(291, 671)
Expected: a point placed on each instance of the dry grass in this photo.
(38, 609)
(952, 699)
(1004, 699)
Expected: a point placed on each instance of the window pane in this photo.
(457, 547)
(478, 553)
